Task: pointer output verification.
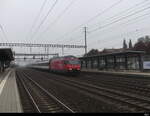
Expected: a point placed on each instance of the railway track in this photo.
(133, 102)
(41, 100)
(137, 86)
(126, 80)
(139, 103)
(72, 96)
(26, 99)
(117, 84)
(128, 85)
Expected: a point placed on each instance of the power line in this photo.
(4, 33)
(104, 11)
(123, 18)
(141, 16)
(117, 35)
(134, 19)
(58, 17)
(132, 11)
(44, 19)
(93, 18)
(129, 9)
(127, 33)
(2, 38)
(37, 17)
(128, 22)
(121, 34)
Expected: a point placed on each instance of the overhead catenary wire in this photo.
(104, 11)
(129, 10)
(141, 4)
(2, 39)
(36, 19)
(58, 18)
(134, 19)
(133, 33)
(4, 33)
(120, 19)
(1, 35)
(128, 22)
(136, 7)
(93, 18)
(44, 19)
(105, 40)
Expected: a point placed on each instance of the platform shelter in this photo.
(6, 56)
(126, 60)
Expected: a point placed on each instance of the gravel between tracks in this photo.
(80, 100)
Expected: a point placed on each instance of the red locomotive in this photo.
(65, 64)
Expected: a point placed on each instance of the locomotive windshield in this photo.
(72, 62)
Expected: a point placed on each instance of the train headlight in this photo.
(70, 68)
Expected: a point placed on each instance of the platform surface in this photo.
(9, 95)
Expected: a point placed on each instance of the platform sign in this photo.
(146, 65)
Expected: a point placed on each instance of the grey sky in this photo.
(17, 17)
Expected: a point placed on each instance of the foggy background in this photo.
(108, 22)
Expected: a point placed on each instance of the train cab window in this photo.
(66, 62)
(74, 62)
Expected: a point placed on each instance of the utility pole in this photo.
(30, 50)
(85, 31)
(62, 51)
(47, 52)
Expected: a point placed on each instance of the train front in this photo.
(73, 65)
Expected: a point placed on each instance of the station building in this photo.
(123, 60)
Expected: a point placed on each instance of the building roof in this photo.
(113, 50)
(117, 53)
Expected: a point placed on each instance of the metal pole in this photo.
(30, 50)
(47, 52)
(85, 28)
(62, 51)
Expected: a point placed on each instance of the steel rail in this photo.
(29, 94)
(96, 89)
(113, 94)
(48, 93)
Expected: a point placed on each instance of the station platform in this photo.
(9, 95)
(120, 73)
